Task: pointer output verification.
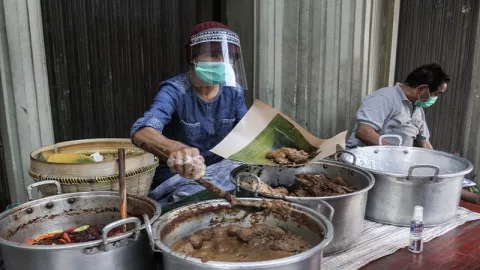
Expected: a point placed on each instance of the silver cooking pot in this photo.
(128, 251)
(184, 221)
(409, 176)
(349, 208)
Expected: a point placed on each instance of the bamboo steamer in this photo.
(96, 176)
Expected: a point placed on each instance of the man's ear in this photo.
(421, 87)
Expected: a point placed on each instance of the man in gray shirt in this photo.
(398, 110)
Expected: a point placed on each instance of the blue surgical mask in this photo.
(425, 104)
(212, 72)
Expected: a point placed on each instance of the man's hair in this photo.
(430, 74)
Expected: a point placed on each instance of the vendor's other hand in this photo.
(187, 162)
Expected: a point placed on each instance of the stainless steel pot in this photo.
(59, 212)
(349, 208)
(184, 221)
(409, 176)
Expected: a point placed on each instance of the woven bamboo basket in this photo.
(96, 176)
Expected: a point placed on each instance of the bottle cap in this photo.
(418, 213)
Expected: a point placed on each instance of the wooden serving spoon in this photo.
(122, 185)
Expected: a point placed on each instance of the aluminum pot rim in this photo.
(361, 170)
(98, 242)
(328, 236)
(466, 162)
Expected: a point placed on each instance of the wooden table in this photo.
(457, 249)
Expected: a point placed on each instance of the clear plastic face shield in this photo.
(216, 59)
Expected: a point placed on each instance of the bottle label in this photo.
(416, 231)
(416, 241)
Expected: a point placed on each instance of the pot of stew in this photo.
(77, 231)
(214, 235)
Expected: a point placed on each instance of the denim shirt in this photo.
(180, 114)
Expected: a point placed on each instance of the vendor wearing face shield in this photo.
(193, 112)
(398, 110)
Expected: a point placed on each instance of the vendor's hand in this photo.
(187, 162)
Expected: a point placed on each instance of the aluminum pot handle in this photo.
(41, 183)
(346, 152)
(237, 181)
(148, 228)
(116, 224)
(400, 140)
(328, 206)
(434, 177)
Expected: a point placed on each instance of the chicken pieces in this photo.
(288, 156)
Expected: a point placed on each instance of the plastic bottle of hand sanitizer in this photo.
(416, 231)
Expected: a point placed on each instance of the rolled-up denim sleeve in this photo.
(160, 112)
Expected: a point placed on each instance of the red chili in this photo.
(116, 231)
(66, 237)
(70, 230)
(63, 241)
(29, 242)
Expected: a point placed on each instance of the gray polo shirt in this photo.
(390, 112)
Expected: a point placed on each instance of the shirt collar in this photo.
(400, 92)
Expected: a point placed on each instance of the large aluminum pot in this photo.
(349, 208)
(409, 176)
(184, 221)
(124, 252)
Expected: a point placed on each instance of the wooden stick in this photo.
(122, 184)
(220, 192)
(232, 199)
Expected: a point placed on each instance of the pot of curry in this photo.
(77, 231)
(215, 235)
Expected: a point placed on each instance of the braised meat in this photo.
(310, 185)
(288, 156)
(264, 188)
(319, 185)
(184, 246)
(290, 243)
(234, 243)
